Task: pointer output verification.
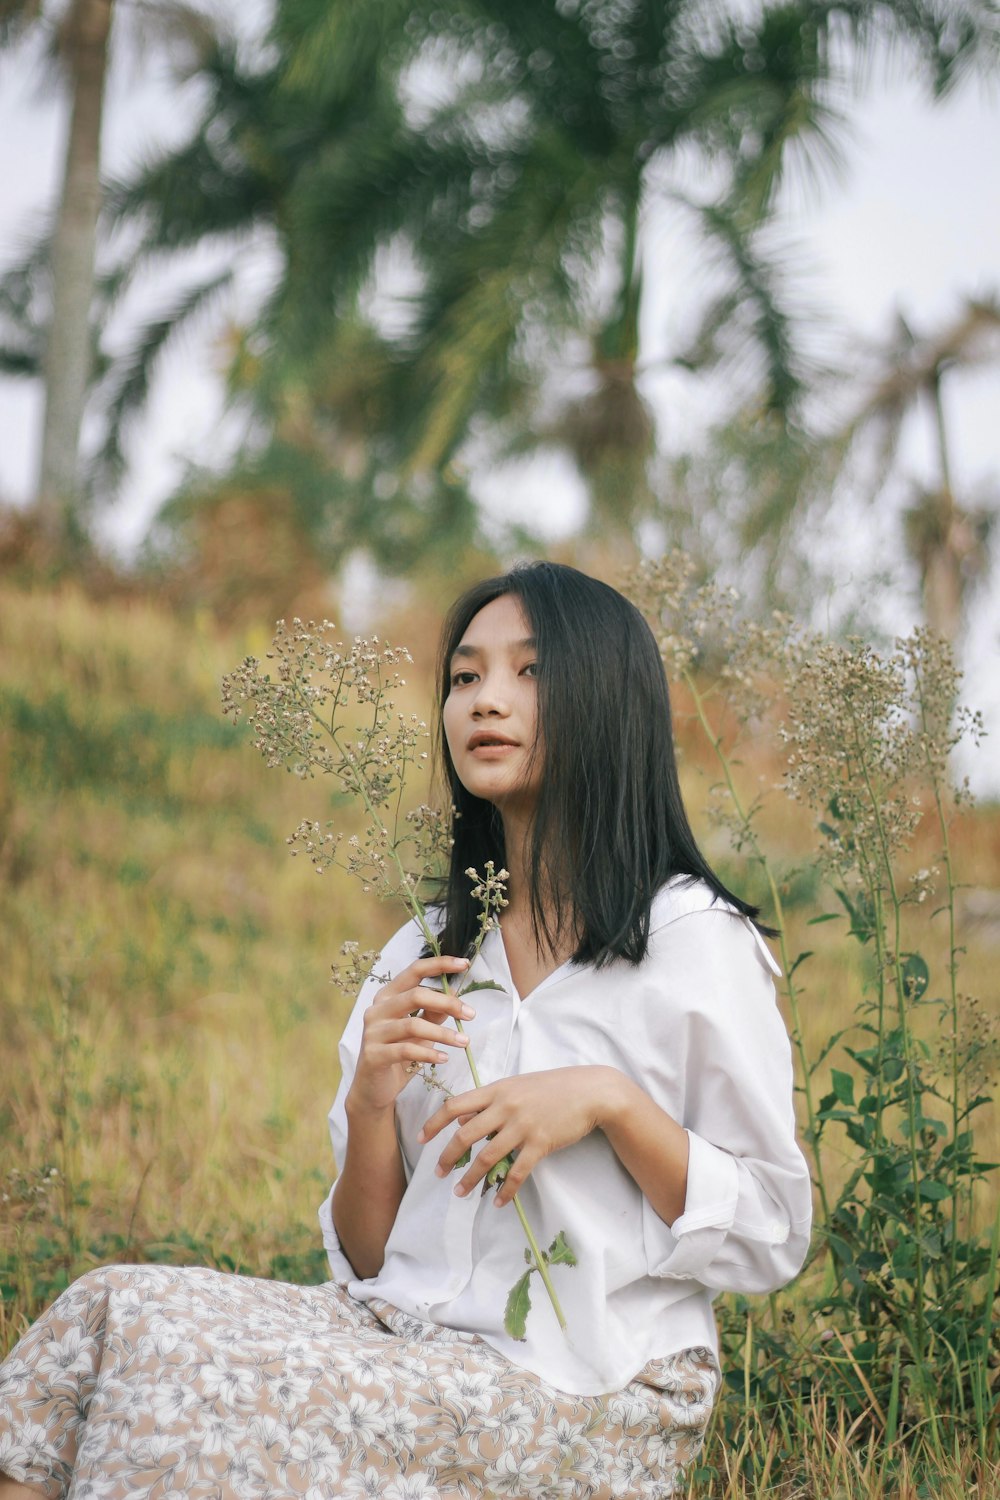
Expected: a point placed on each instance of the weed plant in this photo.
(890, 1336)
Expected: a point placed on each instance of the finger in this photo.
(454, 1007)
(410, 1052)
(504, 1143)
(435, 967)
(479, 1127)
(421, 999)
(523, 1165)
(411, 1027)
(466, 1105)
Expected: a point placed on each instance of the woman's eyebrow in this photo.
(528, 644)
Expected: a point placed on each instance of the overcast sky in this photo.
(913, 225)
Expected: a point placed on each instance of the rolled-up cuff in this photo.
(340, 1267)
(682, 1249)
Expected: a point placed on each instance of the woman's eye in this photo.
(461, 679)
(531, 670)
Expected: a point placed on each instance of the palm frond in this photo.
(748, 329)
(24, 309)
(182, 35)
(129, 378)
(16, 17)
(908, 366)
(329, 44)
(949, 39)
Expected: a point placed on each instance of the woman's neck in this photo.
(517, 920)
(517, 856)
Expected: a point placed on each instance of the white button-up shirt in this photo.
(696, 1026)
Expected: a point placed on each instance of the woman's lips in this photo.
(488, 749)
(490, 744)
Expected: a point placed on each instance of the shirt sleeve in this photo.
(402, 949)
(748, 1206)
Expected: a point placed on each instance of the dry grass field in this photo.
(169, 1029)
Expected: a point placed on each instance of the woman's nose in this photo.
(490, 699)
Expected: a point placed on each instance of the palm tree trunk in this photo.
(948, 541)
(943, 584)
(84, 45)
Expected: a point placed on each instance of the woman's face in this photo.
(491, 711)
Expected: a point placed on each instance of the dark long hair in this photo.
(609, 826)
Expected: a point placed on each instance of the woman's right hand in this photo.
(404, 1025)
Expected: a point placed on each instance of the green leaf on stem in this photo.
(481, 984)
(559, 1252)
(861, 912)
(932, 1191)
(515, 1316)
(498, 1172)
(916, 976)
(843, 1086)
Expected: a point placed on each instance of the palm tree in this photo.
(80, 39)
(82, 43)
(945, 538)
(508, 151)
(508, 198)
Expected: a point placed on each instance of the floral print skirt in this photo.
(155, 1381)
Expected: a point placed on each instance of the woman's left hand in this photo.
(529, 1116)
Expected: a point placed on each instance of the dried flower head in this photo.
(326, 707)
(355, 967)
(851, 753)
(700, 626)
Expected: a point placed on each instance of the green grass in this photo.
(170, 1031)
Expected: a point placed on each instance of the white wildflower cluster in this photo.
(975, 1033)
(25, 1195)
(940, 721)
(328, 707)
(356, 965)
(298, 715)
(923, 884)
(869, 736)
(699, 627)
(490, 891)
(321, 843)
(731, 668)
(429, 834)
(866, 734)
(850, 754)
(687, 616)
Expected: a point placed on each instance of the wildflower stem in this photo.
(875, 802)
(539, 1260)
(540, 1264)
(934, 776)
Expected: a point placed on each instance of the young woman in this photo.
(632, 1063)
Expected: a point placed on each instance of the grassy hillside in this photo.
(169, 1027)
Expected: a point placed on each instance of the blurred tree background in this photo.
(458, 199)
